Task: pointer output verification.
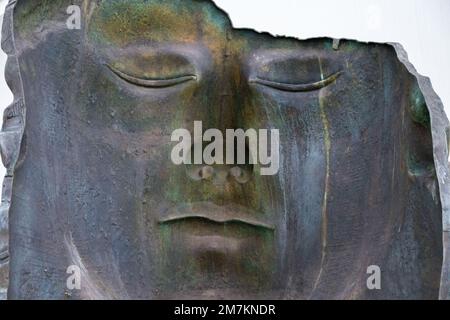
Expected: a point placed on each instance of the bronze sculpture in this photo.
(363, 160)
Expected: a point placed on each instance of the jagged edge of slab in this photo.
(440, 131)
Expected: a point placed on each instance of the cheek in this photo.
(299, 191)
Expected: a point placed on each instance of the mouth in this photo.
(214, 214)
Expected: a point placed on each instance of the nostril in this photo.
(198, 173)
(236, 172)
(240, 175)
(194, 173)
(206, 172)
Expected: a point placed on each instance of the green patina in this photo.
(127, 21)
(33, 14)
(419, 168)
(419, 109)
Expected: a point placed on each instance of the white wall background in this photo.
(421, 26)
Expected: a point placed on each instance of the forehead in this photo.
(139, 28)
(124, 22)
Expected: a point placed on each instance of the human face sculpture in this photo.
(96, 187)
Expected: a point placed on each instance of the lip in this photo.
(213, 213)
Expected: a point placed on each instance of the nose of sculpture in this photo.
(220, 175)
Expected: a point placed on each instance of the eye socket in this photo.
(297, 87)
(152, 83)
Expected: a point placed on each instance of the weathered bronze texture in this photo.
(363, 174)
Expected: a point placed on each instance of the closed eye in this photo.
(293, 87)
(152, 83)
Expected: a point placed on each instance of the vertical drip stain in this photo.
(327, 146)
(321, 69)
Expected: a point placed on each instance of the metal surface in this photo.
(363, 174)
